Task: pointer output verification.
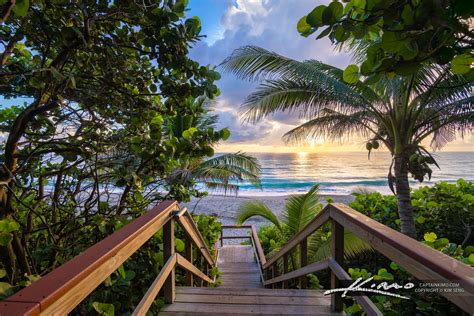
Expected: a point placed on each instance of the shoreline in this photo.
(226, 207)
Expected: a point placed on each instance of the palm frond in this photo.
(256, 208)
(305, 96)
(333, 125)
(221, 187)
(320, 248)
(237, 167)
(301, 209)
(255, 63)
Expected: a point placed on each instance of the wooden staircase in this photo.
(242, 292)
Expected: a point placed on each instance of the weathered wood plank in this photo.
(259, 292)
(367, 305)
(258, 247)
(188, 266)
(337, 251)
(236, 253)
(191, 230)
(219, 309)
(211, 297)
(252, 270)
(303, 261)
(64, 288)
(168, 252)
(188, 254)
(155, 287)
(310, 268)
(421, 261)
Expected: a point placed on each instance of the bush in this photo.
(444, 207)
(419, 303)
(444, 212)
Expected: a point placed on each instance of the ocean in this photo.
(342, 173)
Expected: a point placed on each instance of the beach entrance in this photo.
(251, 283)
(242, 291)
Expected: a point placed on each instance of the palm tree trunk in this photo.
(405, 208)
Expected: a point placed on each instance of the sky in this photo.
(270, 24)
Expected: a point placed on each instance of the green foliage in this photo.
(441, 210)
(351, 74)
(104, 309)
(320, 245)
(256, 208)
(451, 249)
(301, 209)
(116, 119)
(7, 226)
(224, 172)
(397, 36)
(298, 212)
(443, 207)
(424, 303)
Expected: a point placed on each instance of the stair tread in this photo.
(249, 291)
(252, 299)
(242, 309)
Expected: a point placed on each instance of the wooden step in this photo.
(242, 292)
(240, 309)
(237, 266)
(252, 299)
(260, 292)
(246, 301)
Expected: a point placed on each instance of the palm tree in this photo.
(221, 172)
(299, 211)
(398, 112)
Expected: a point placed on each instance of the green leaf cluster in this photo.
(397, 36)
(443, 207)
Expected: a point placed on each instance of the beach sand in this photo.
(225, 207)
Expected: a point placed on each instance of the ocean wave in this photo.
(285, 184)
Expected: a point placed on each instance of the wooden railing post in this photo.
(188, 254)
(199, 266)
(337, 248)
(277, 273)
(272, 273)
(303, 261)
(206, 272)
(168, 251)
(285, 269)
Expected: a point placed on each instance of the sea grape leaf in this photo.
(8, 225)
(303, 26)
(351, 74)
(461, 64)
(104, 308)
(21, 7)
(315, 17)
(430, 237)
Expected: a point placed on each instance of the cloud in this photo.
(270, 25)
(240, 132)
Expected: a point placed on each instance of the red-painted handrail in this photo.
(61, 290)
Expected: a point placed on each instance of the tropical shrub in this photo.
(419, 303)
(107, 109)
(299, 211)
(443, 207)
